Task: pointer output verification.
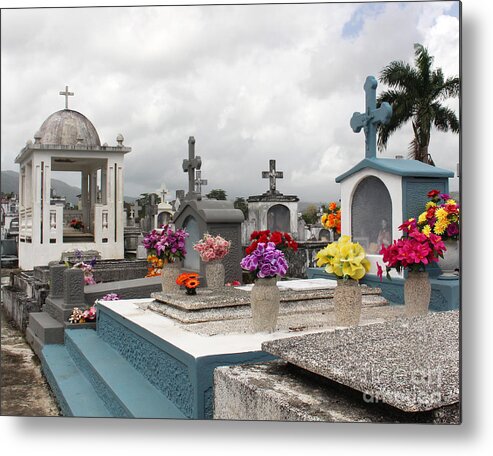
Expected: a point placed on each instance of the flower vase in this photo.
(449, 264)
(417, 293)
(347, 302)
(265, 299)
(169, 274)
(214, 274)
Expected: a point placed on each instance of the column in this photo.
(46, 202)
(93, 195)
(85, 198)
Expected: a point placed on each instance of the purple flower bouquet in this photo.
(265, 261)
(168, 245)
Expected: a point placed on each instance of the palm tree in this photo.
(415, 94)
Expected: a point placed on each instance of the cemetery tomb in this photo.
(67, 141)
(272, 210)
(168, 347)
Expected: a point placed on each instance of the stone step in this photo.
(34, 342)
(274, 391)
(125, 391)
(75, 395)
(46, 328)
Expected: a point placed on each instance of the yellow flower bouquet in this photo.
(344, 258)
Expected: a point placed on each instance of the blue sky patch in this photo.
(353, 27)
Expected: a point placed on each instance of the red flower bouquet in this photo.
(283, 241)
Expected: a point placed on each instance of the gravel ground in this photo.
(24, 391)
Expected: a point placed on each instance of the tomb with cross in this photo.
(199, 216)
(378, 194)
(190, 165)
(272, 175)
(164, 212)
(273, 210)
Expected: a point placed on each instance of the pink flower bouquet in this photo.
(212, 248)
(415, 250)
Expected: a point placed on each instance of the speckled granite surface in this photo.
(411, 364)
(294, 323)
(244, 311)
(231, 297)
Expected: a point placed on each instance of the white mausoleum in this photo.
(68, 141)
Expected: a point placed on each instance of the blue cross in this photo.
(371, 118)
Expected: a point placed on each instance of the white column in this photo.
(46, 202)
(93, 198)
(84, 198)
(36, 203)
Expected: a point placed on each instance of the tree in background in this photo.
(310, 215)
(217, 194)
(241, 204)
(415, 93)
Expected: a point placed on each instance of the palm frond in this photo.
(444, 118)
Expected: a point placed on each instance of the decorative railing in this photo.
(56, 223)
(25, 223)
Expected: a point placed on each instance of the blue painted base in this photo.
(445, 294)
(123, 370)
(184, 380)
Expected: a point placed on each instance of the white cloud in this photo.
(249, 82)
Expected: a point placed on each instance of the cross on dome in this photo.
(67, 94)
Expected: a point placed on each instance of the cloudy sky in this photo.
(250, 82)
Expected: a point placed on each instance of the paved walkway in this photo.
(24, 391)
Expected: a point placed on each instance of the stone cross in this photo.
(163, 191)
(67, 94)
(199, 182)
(272, 175)
(371, 118)
(189, 166)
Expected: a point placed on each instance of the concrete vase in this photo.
(214, 274)
(417, 293)
(347, 302)
(450, 261)
(265, 299)
(169, 274)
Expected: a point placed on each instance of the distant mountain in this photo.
(10, 183)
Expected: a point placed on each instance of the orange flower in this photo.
(187, 276)
(191, 283)
(332, 206)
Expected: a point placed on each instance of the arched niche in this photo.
(192, 259)
(371, 214)
(278, 218)
(163, 218)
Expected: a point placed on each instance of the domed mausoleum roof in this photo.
(68, 128)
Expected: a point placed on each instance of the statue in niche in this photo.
(384, 237)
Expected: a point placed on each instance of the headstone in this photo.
(272, 210)
(216, 218)
(57, 279)
(73, 286)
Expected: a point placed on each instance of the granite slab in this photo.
(293, 323)
(409, 363)
(233, 296)
(244, 311)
